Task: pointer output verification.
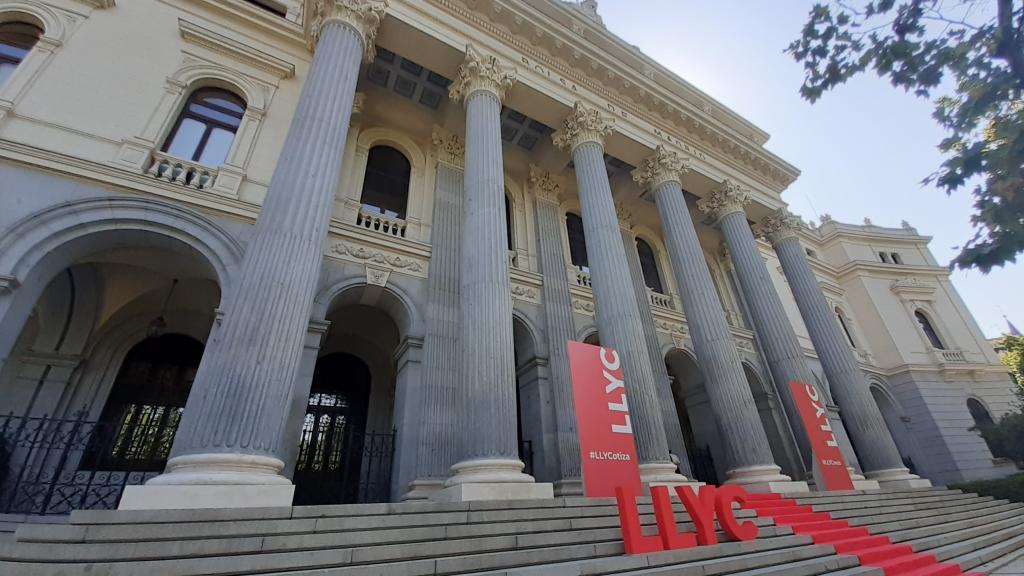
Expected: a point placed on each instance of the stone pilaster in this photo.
(669, 416)
(618, 318)
(438, 439)
(232, 427)
(560, 327)
(744, 440)
(879, 457)
(489, 465)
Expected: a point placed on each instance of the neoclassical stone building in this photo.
(256, 252)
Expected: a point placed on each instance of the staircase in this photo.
(559, 537)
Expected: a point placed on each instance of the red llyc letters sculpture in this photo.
(703, 507)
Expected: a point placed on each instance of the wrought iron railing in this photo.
(53, 466)
(354, 468)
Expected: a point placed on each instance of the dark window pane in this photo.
(929, 330)
(187, 138)
(16, 39)
(217, 147)
(206, 127)
(649, 266)
(508, 222)
(386, 185)
(577, 241)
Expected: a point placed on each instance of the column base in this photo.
(491, 479)
(569, 487)
(866, 485)
(664, 474)
(191, 496)
(423, 489)
(897, 478)
(222, 469)
(765, 479)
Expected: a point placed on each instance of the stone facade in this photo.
(502, 118)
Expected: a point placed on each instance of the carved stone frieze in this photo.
(544, 186)
(481, 72)
(524, 293)
(450, 148)
(583, 306)
(780, 225)
(663, 166)
(728, 198)
(671, 327)
(911, 288)
(365, 254)
(582, 125)
(364, 16)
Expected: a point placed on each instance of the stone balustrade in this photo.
(513, 259)
(183, 172)
(952, 356)
(388, 225)
(659, 300)
(580, 277)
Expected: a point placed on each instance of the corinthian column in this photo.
(558, 313)
(618, 318)
(490, 467)
(749, 456)
(879, 457)
(227, 451)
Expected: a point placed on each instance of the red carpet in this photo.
(895, 559)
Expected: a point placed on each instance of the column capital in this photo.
(779, 225)
(726, 199)
(481, 72)
(450, 148)
(544, 185)
(582, 125)
(663, 166)
(363, 16)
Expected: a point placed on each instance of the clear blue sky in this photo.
(862, 149)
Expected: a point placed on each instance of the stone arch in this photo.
(395, 301)
(53, 27)
(895, 419)
(773, 419)
(588, 332)
(195, 75)
(980, 412)
(923, 311)
(56, 25)
(37, 247)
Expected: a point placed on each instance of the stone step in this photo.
(859, 519)
(893, 502)
(1006, 508)
(1001, 559)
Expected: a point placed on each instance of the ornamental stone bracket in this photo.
(363, 16)
(383, 260)
(726, 199)
(449, 148)
(663, 166)
(377, 276)
(481, 72)
(581, 126)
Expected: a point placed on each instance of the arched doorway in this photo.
(534, 407)
(780, 438)
(894, 421)
(700, 429)
(327, 469)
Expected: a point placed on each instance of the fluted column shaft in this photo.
(849, 387)
(618, 318)
(670, 418)
(437, 442)
(239, 401)
(743, 435)
(560, 330)
(782, 351)
(487, 366)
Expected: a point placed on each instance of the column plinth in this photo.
(233, 424)
(489, 466)
(749, 456)
(618, 318)
(879, 457)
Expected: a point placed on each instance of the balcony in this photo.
(659, 300)
(581, 277)
(182, 172)
(388, 225)
(956, 356)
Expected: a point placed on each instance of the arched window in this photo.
(846, 329)
(386, 185)
(980, 414)
(16, 39)
(508, 222)
(577, 242)
(929, 331)
(141, 415)
(649, 266)
(206, 127)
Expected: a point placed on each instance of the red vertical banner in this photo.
(603, 422)
(828, 459)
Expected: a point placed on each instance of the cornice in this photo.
(635, 87)
(882, 270)
(207, 38)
